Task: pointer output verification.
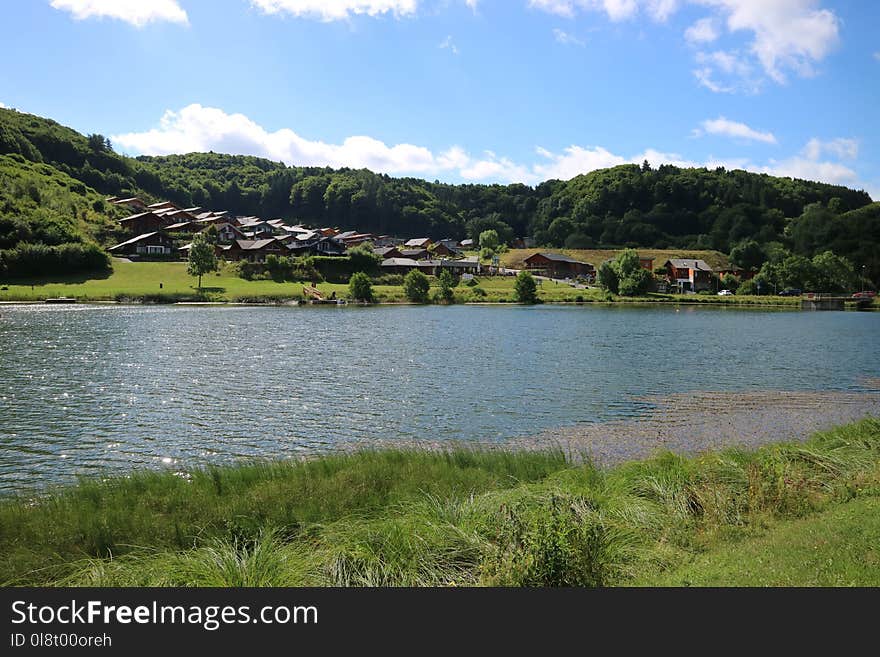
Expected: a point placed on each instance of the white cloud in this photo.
(136, 12)
(196, 128)
(877, 55)
(704, 30)
(844, 149)
(727, 128)
(734, 69)
(449, 44)
(617, 10)
(783, 36)
(808, 163)
(332, 10)
(567, 39)
(3, 105)
(788, 34)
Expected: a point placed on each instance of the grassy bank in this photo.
(168, 282)
(467, 518)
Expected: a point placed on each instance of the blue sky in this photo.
(463, 90)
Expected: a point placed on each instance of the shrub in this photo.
(360, 287)
(447, 285)
(525, 289)
(416, 286)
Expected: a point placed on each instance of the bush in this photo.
(525, 289)
(478, 292)
(32, 260)
(447, 285)
(360, 287)
(416, 286)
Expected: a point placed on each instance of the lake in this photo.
(92, 389)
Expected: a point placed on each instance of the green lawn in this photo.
(839, 547)
(135, 281)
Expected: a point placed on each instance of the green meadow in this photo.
(168, 282)
(797, 514)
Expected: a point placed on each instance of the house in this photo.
(462, 266)
(149, 244)
(226, 232)
(415, 254)
(646, 263)
(258, 229)
(184, 227)
(253, 250)
(398, 265)
(163, 205)
(418, 243)
(323, 246)
(145, 222)
(133, 203)
(556, 265)
(446, 248)
(387, 240)
(357, 238)
(688, 275)
(386, 252)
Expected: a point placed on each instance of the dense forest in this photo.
(624, 206)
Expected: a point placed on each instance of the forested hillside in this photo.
(628, 205)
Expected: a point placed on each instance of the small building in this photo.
(398, 265)
(322, 246)
(418, 243)
(184, 227)
(253, 250)
(386, 252)
(462, 266)
(446, 249)
(555, 265)
(164, 205)
(149, 244)
(467, 244)
(133, 203)
(415, 254)
(145, 222)
(226, 232)
(646, 263)
(688, 275)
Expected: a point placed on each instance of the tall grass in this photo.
(411, 518)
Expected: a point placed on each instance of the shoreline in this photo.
(480, 517)
(149, 300)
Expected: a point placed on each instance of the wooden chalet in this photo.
(156, 243)
(556, 265)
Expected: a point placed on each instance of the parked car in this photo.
(791, 292)
(869, 294)
(725, 293)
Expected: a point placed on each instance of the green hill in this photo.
(625, 206)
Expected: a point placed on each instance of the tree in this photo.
(625, 275)
(833, 273)
(748, 254)
(606, 276)
(447, 285)
(489, 240)
(202, 258)
(360, 288)
(730, 282)
(416, 286)
(525, 289)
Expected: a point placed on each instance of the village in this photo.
(164, 231)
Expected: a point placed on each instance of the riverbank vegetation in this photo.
(786, 514)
